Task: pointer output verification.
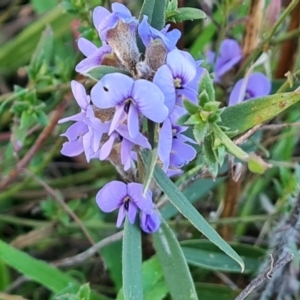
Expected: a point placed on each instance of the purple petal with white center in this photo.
(107, 146)
(121, 216)
(106, 93)
(164, 80)
(133, 121)
(135, 191)
(149, 100)
(99, 14)
(80, 94)
(181, 67)
(94, 60)
(165, 143)
(86, 47)
(150, 222)
(72, 148)
(117, 118)
(75, 131)
(111, 196)
(78, 117)
(126, 154)
(132, 211)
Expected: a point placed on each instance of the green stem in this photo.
(229, 144)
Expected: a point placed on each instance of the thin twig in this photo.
(266, 275)
(32, 151)
(82, 257)
(61, 201)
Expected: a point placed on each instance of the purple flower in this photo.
(81, 136)
(229, 55)
(127, 143)
(128, 198)
(148, 34)
(104, 20)
(149, 222)
(172, 148)
(130, 97)
(257, 85)
(93, 55)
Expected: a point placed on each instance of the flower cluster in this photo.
(230, 54)
(150, 85)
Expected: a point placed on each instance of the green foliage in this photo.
(98, 72)
(174, 266)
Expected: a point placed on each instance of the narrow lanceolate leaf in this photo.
(188, 13)
(132, 263)
(35, 269)
(159, 14)
(152, 156)
(174, 265)
(147, 10)
(189, 211)
(98, 72)
(247, 114)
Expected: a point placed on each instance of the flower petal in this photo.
(86, 47)
(99, 14)
(72, 148)
(111, 196)
(126, 154)
(259, 85)
(164, 80)
(133, 121)
(165, 143)
(149, 100)
(150, 222)
(107, 146)
(80, 94)
(75, 131)
(135, 192)
(132, 211)
(121, 216)
(111, 90)
(117, 118)
(78, 117)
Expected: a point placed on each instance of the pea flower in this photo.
(81, 137)
(256, 85)
(130, 97)
(229, 55)
(128, 198)
(150, 222)
(94, 55)
(148, 34)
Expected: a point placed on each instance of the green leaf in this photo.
(172, 5)
(35, 269)
(43, 6)
(188, 13)
(190, 107)
(174, 266)
(149, 166)
(98, 72)
(159, 14)
(4, 276)
(132, 262)
(209, 156)
(154, 286)
(200, 131)
(215, 291)
(204, 254)
(147, 10)
(84, 292)
(189, 211)
(247, 114)
(206, 86)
